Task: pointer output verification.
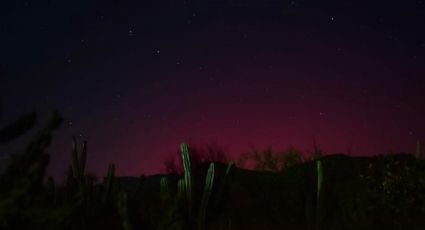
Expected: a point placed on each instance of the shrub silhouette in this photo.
(269, 160)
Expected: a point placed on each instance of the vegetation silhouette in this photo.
(207, 191)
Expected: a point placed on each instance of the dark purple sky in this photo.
(136, 78)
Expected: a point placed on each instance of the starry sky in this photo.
(137, 78)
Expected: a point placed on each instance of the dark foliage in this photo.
(381, 192)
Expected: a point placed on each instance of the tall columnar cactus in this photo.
(180, 187)
(79, 162)
(187, 176)
(108, 182)
(317, 153)
(123, 210)
(418, 154)
(83, 159)
(223, 184)
(209, 180)
(319, 193)
(164, 191)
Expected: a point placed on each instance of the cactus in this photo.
(83, 159)
(209, 180)
(164, 191)
(223, 184)
(79, 162)
(418, 154)
(108, 182)
(319, 192)
(75, 167)
(317, 153)
(123, 210)
(180, 187)
(229, 166)
(187, 176)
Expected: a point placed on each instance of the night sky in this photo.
(137, 78)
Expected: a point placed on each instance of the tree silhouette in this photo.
(269, 160)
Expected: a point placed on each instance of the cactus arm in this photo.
(319, 192)
(205, 197)
(180, 187)
(83, 159)
(108, 182)
(164, 191)
(75, 162)
(319, 178)
(223, 184)
(187, 175)
(123, 210)
(78, 166)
